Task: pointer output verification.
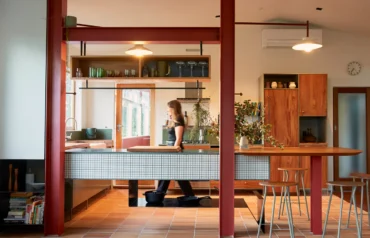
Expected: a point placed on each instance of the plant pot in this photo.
(243, 143)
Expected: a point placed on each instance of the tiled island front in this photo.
(118, 164)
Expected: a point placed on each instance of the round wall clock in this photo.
(354, 68)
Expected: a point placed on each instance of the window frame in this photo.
(73, 105)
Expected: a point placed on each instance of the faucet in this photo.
(70, 135)
(71, 118)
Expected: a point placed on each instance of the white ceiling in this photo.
(345, 15)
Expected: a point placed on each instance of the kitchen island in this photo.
(250, 164)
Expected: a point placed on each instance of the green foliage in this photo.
(202, 120)
(249, 122)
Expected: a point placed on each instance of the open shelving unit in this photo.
(23, 166)
(122, 63)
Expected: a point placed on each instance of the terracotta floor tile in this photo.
(100, 235)
(111, 217)
(102, 230)
(124, 235)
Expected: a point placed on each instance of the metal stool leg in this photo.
(368, 202)
(281, 198)
(350, 208)
(340, 210)
(327, 213)
(304, 193)
(273, 211)
(289, 213)
(286, 180)
(262, 210)
(361, 207)
(296, 179)
(353, 194)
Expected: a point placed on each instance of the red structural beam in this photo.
(208, 35)
(227, 120)
(55, 116)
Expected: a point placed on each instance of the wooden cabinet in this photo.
(282, 113)
(145, 184)
(239, 184)
(290, 111)
(312, 94)
(305, 162)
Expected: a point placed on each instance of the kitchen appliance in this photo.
(91, 133)
(154, 197)
(192, 95)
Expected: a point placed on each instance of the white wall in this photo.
(339, 49)
(22, 78)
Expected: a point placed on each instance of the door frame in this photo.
(118, 111)
(147, 184)
(336, 91)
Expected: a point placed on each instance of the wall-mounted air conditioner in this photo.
(281, 38)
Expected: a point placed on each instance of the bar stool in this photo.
(286, 186)
(362, 177)
(354, 186)
(298, 174)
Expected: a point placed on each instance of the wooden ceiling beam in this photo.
(174, 35)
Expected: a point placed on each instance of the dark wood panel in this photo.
(282, 113)
(313, 94)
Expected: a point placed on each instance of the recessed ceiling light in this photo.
(319, 8)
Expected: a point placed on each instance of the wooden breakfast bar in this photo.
(250, 164)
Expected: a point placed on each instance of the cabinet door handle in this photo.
(302, 111)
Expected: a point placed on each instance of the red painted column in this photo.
(227, 82)
(55, 116)
(316, 194)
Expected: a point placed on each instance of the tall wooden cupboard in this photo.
(293, 112)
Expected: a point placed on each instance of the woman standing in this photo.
(176, 129)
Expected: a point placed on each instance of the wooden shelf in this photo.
(122, 63)
(145, 80)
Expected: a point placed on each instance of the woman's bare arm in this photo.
(179, 131)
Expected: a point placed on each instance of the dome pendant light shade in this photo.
(307, 45)
(138, 50)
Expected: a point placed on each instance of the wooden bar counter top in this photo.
(297, 151)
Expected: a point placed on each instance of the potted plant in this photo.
(249, 126)
(202, 120)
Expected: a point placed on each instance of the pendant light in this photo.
(307, 44)
(139, 50)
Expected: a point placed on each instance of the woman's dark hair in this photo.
(176, 106)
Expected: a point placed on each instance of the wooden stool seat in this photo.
(277, 184)
(360, 175)
(345, 184)
(292, 169)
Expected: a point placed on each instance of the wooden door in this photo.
(351, 129)
(118, 120)
(281, 111)
(313, 94)
(305, 162)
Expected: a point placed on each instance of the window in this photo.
(70, 103)
(135, 113)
